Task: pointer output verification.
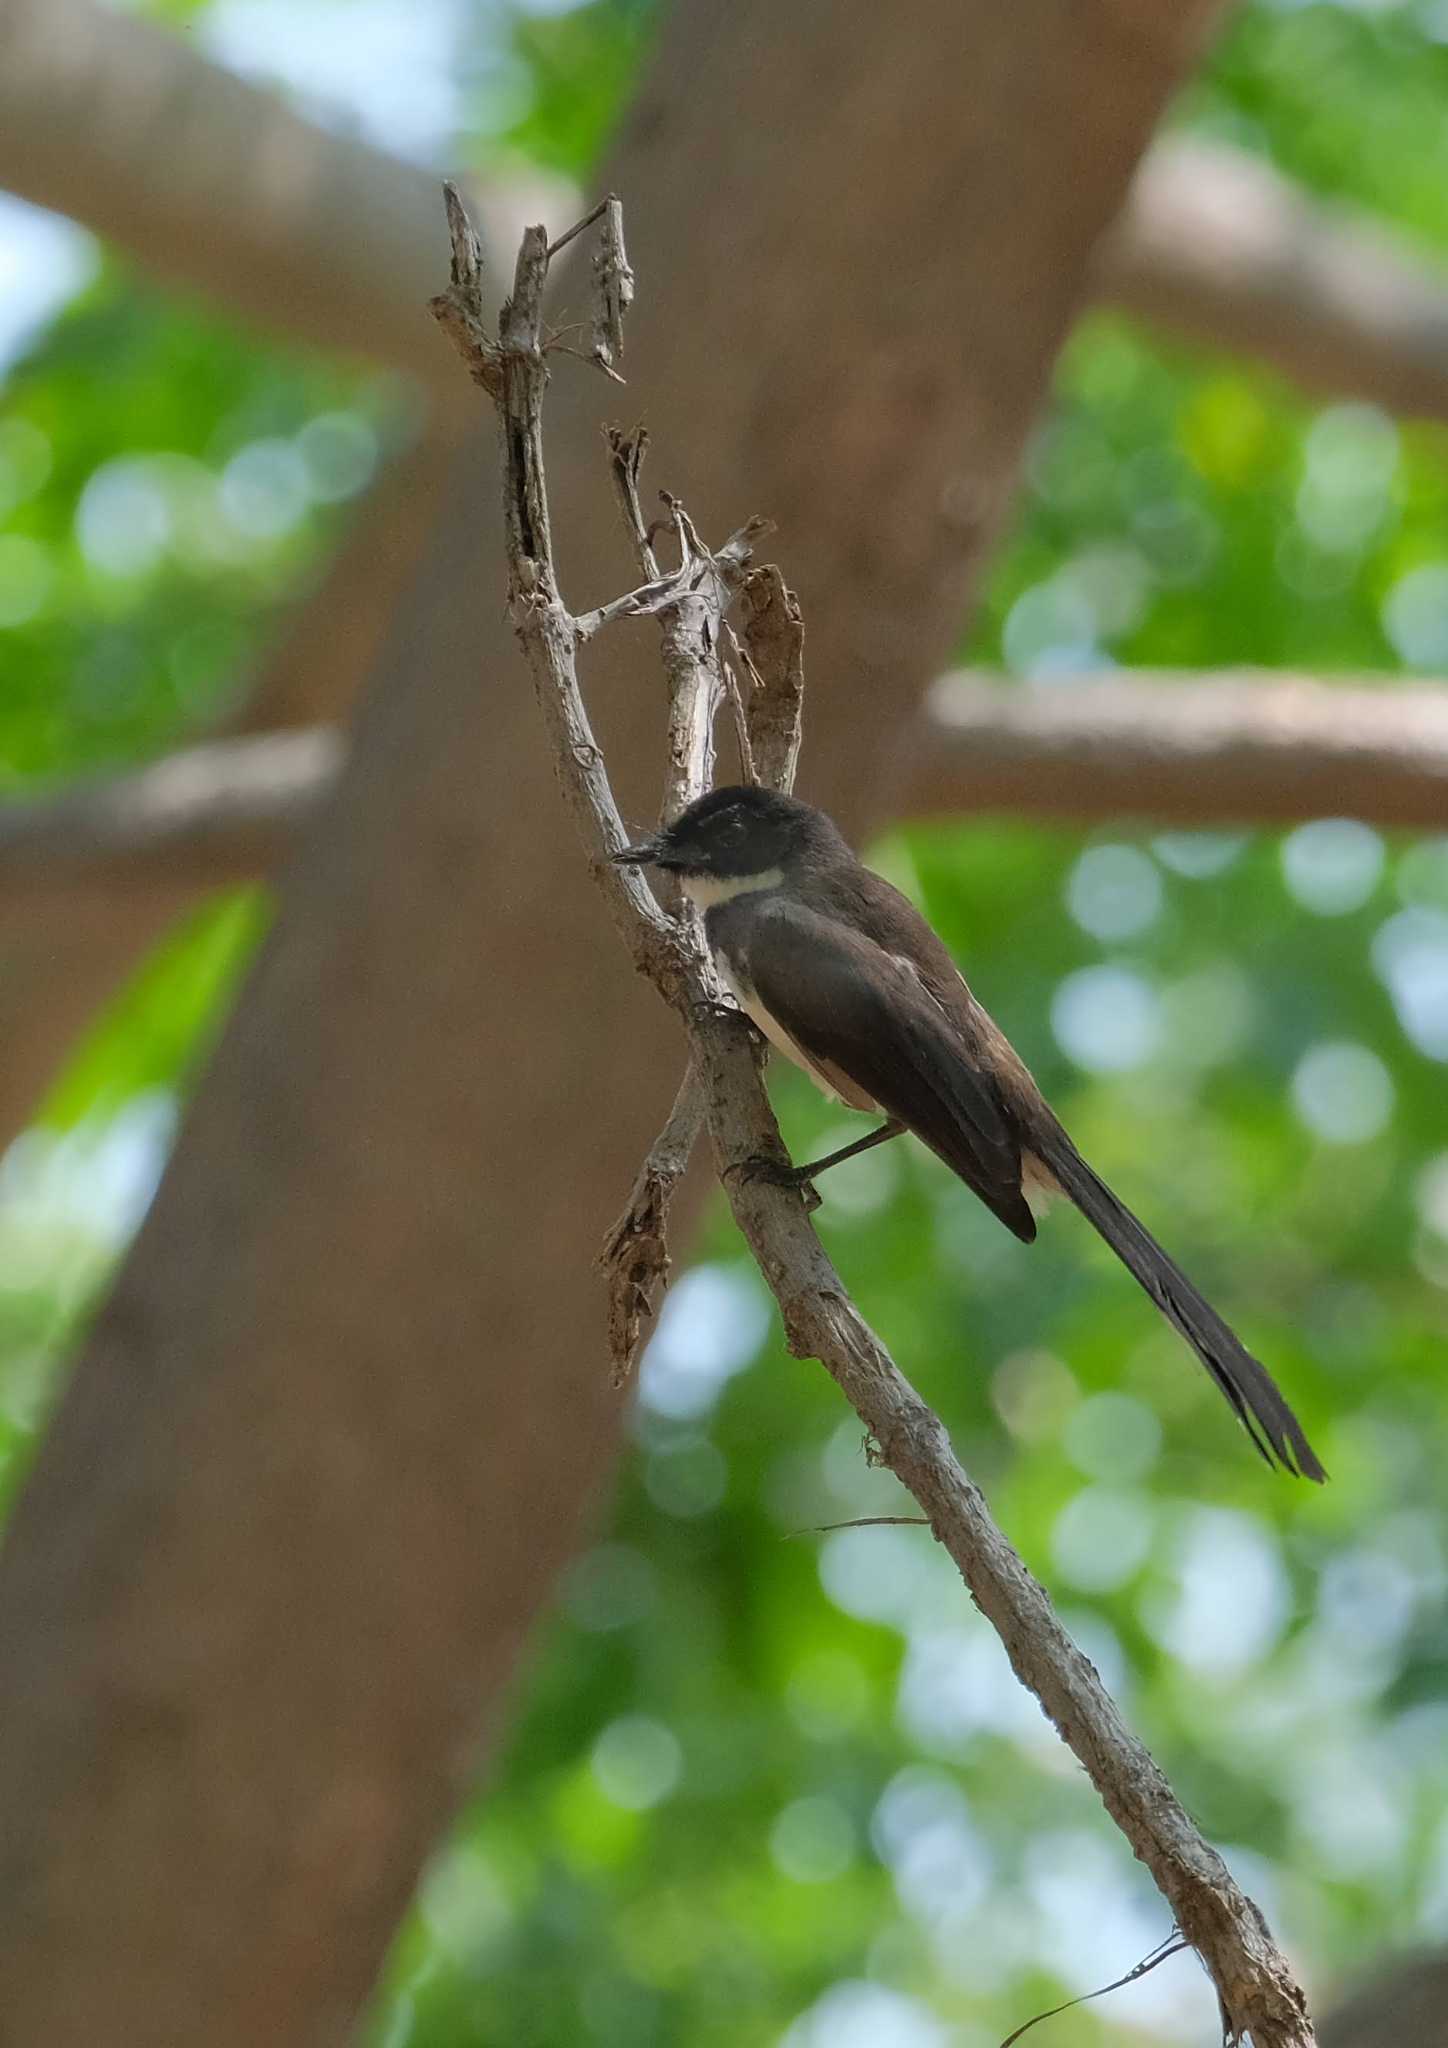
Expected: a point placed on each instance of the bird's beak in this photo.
(645, 854)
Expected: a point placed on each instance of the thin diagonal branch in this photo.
(1255, 1987)
(646, 602)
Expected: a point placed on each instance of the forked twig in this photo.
(635, 1257)
(1256, 1990)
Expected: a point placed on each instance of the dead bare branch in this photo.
(614, 289)
(199, 818)
(773, 646)
(635, 1257)
(1255, 1988)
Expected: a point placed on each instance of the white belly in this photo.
(834, 1085)
(755, 1011)
(708, 890)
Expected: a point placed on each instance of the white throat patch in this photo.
(707, 890)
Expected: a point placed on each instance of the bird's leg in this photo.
(782, 1176)
(888, 1130)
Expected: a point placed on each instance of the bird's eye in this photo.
(732, 829)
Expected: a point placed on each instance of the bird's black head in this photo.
(738, 831)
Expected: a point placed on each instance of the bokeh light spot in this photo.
(712, 1324)
(1410, 953)
(856, 2014)
(1198, 855)
(1343, 1093)
(1101, 1538)
(1114, 892)
(1415, 616)
(637, 1762)
(123, 519)
(1231, 1598)
(1332, 865)
(1106, 1019)
(265, 489)
(339, 454)
(1112, 1436)
(812, 1841)
(1050, 630)
(1351, 458)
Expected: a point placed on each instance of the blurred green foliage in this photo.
(1348, 99)
(765, 1783)
(164, 485)
(576, 69)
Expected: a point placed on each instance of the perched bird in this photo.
(846, 979)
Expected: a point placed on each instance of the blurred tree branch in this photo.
(1405, 2002)
(1217, 245)
(1243, 747)
(1240, 747)
(320, 237)
(338, 1426)
(226, 811)
(215, 185)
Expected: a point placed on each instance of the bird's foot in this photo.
(779, 1174)
(708, 1011)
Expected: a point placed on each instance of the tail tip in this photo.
(1305, 1463)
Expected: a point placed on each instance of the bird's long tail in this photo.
(1247, 1384)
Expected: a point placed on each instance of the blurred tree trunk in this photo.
(339, 1424)
(1406, 2007)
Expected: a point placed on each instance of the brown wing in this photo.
(852, 1006)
